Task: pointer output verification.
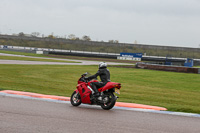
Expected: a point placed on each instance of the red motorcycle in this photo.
(84, 93)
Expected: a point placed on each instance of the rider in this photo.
(104, 74)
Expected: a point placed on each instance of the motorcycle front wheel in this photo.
(75, 99)
(108, 101)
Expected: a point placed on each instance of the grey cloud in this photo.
(168, 22)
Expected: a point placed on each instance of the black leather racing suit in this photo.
(104, 76)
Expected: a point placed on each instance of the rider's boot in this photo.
(96, 92)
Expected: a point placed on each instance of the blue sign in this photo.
(189, 63)
(136, 55)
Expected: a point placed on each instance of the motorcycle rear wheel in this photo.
(109, 101)
(75, 99)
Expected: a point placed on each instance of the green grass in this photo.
(33, 59)
(175, 91)
(22, 53)
(30, 59)
(100, 47)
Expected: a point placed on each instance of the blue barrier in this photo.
(136, 55)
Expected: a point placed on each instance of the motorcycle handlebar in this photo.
(84, 79)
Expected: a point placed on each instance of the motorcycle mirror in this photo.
(84, 74)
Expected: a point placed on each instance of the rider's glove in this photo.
(86, 78)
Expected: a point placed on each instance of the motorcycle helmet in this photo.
(102, 65)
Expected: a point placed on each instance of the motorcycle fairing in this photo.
(108, 86)
(84, 93)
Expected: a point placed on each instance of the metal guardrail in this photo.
(55, 50)
(146, 58)
(168, 68)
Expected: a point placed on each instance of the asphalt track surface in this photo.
(19, 115)
(78, 62)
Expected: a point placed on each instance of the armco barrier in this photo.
(85, 54)
(168, 68)
(91, 54)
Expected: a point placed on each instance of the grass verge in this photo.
(22, 53)
(175, 91)
(33, 59)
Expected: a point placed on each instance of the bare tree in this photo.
(116, 41)
(51, 36)
(35, 34)
(86, 38)
(21, 34)
(113, 41)
(72, 37)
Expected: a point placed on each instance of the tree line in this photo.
(70, 37)
(35, 40)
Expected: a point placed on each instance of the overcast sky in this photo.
(155, 22)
